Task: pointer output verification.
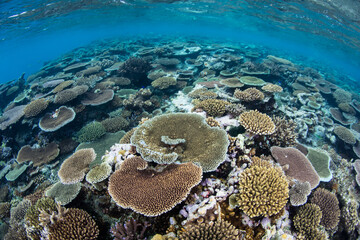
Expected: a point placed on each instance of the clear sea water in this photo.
(316, 44)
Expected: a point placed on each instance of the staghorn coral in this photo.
(38, 156)
(150, 192)
(73, 169)
(299, 192)
(32, 220)
(218, 230)
(249, 95)
(63, 193)
(329, 206)
(52, 122)
(213, 107)
(263, 189)
(131, 230)
(163, 82)
(90, 132)
(35, 107)
(307, 221)
(115, 124)
(285, 134)
(345, 134)
(257, 123)
(203, 144)
(212, 122)
(73, 224)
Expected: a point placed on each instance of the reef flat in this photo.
(163, 138)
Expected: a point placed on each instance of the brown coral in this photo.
(98, 97)
(257, 123)
(73, 224)
(213, 107)
(249, 95)
(272, 88)
(285, 134)
(164, 82)
(61, 117)
(115, 124)
(218, 230)
(263, 189)
(150, 192)
(73, 169)
(35, 107)
(38, 156)
(202, 94)
(329, 206)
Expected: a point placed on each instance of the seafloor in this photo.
(167, 138)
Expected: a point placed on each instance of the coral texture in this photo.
(35, 107)
(299, 192)
(98, 98)
(73, 169)
(249, 95)
(213, 107)
(345, 134)
(91, 132)
(63, 193)
(164, 82)
(38, 156)
(329, 206)
(218, 230)
(203, 144)
(98, 173)
(51, 122)
(285, 134)
(149, 192)
(263, 190)
(257, 123)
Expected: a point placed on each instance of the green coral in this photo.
(63, 193)
(98, 173)
(252, 81)
(321, 162)
(115, 124)
(45, 204)
(91, 132)
(201, 143)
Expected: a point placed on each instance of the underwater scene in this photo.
(179, 120)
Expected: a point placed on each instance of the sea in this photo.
(167, 119)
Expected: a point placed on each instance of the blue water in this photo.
(34, 32)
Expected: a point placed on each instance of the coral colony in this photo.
(177, 139)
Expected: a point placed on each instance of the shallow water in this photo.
(270, 102)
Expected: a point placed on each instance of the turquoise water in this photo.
(179, 119)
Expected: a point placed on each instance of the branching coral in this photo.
(285, 134)
(131, 230)
(220, 229)
(263, 190)
(35, 107)
(257, 123)
(91, 132)
(213, 107)
(249, 95)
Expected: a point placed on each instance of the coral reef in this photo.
(149, 192)
(257, 123)
(51, 122)
(249, 95)
(73, 169)
(38, 156)
(91, 132)
(63, 193)
(35, 107)
(205, 145)
(213, 107)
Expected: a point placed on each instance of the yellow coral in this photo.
(263, 190)
(257, 123)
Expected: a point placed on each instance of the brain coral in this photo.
(345, 134)
(257, 123)
(73, 224)
(249, 95)
(151, 192)
(213, 107)
(203, 144)
(61, 117)
(329, 206)
(263, 190)
(218, 230)
(35, 107)
(73, 169)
